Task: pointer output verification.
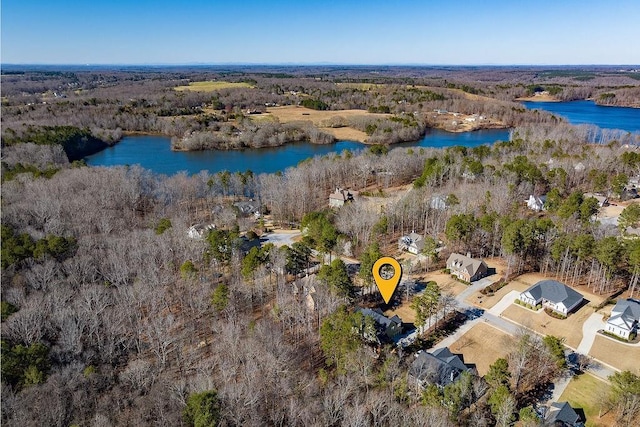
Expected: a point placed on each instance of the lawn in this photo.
(586, 392)
(569, 328)
(211, 86)
(616, 354)
(482, 345)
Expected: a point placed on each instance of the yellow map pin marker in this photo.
(386, 279)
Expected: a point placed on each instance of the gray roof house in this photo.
(386, 328)
(563, 415)
(412, 243)
(440, 367)
(536, 203)
(624, 318)
(552, 294)
(467, 268)
(341, 196)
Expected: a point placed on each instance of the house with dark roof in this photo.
(467, 268)
(552, 294)
(624, 318)
(561, 414)
(440, 367)
(386, 328)
(341, 196)
(412, 243)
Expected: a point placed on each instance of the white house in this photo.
(438, 202)
(552, 294)
(624, 318)
(198, 231)
(412, 243)
(536, 203)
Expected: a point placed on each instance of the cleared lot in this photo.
(616, 354)
(482, 345)
(569, 328)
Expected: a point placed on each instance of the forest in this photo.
(112, 314)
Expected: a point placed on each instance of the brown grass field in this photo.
(211, 86)
(616, 354)
(322, 119)
(482, 345)
(569, 328)
(586, 392)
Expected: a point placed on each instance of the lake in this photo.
(154, 153)
(588, 112)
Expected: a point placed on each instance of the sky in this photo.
(367, 32)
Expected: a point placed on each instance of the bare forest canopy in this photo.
(130, 298)
(230, 107)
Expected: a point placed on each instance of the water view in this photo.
(588, 112)
(154, 153)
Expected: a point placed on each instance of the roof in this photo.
(380, 318)
(462, 262)
(625, 313)
(554, 291)
(440, 367)
(413, 240)
(562, 411)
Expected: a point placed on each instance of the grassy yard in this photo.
(569, 328)
(616, 354)
(586, 392)
(211, 86)
(482, 345)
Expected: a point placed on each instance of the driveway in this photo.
(590, 327)
(504, 303)
(281, 238)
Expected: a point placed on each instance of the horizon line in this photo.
(303, 64)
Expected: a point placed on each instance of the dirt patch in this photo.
(569, 328)
(482, 345)
(616, 354)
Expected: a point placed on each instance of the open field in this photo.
(569, 328)
(211, 86)
(482, 345)
(324, 119)
(586, 392)
(616, 354)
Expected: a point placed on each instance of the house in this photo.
(440, 367)
(386, 328)
(602, 200)
(536, 203)
(412, 243)
(339, 197)
(247, 208)
(624, 318)
(198, 231)
(438, 202)
(563, 415)
(552, 294)
(467, 268)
